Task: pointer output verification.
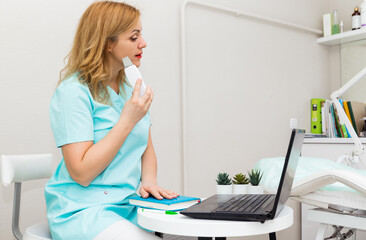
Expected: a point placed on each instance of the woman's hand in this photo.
(136, 107)
(156, 191)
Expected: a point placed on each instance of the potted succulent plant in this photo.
(223, 184)
(255, 176)
(240, 182)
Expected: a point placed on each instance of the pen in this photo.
(159, 211)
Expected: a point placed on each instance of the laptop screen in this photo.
(288, 172)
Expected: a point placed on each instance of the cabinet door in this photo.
(326, 150)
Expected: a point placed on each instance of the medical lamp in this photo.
(354, 158)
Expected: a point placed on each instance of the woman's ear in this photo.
(111, 43)
(110, 46)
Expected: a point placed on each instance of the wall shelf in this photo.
(331, 140)
(344, 37)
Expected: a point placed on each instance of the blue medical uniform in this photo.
(77, 212)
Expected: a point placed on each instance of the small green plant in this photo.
(255, 176)
(223, 179)
(240, 179)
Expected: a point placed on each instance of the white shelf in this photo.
(331, 140)
(344, 37)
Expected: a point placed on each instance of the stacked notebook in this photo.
(175, 204)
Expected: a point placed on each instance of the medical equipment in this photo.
(338, 190)
(354, 158)
(132, 74)
(319, 182)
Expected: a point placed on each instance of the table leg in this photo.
(321, 231)
(209, 238)
(272, 236)
(160, 235)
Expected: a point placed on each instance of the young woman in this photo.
(103, 128)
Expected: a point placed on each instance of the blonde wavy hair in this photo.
(101, 23)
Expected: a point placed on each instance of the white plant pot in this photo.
(255, 189)
(240, 188)
(224, 189)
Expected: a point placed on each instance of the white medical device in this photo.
(353, 158)
(132, 74)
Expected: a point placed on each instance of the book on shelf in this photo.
(330, 123)
(346, 109)
(358, 113)
(324, 125)
(175, 204)
(314, 135)
(340, 126)
(316, 115)
(327, 120)
(352, 116)
(343, 126)
(335, 121)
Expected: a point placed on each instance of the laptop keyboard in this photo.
(245, 203)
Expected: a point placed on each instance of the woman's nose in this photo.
(142, 43)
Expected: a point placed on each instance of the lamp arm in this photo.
(342, 115)
(338, 93)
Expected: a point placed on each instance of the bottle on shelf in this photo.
(335, 24)
(356, 19)
(341, 26)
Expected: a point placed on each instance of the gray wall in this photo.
(245, 79)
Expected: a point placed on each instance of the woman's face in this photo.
(129, 44)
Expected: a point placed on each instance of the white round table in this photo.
(186, 226)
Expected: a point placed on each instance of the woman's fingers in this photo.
(174, 194)
(149, 101)
(155, 193)
(136, 90)
(144, 193)
(137, 107)
(147, 94)
(165, 194)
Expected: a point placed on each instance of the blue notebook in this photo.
(176, 204)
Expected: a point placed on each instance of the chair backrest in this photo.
(19, 168)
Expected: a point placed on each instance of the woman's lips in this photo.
(138, 55)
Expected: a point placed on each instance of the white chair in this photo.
(17, 169)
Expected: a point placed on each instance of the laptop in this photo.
(253, 207)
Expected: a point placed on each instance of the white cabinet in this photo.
(332, 149)
(329, 148)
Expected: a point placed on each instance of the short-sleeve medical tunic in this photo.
(77, 212)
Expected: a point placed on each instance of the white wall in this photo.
(346, 61)
(245, 80)
(35, 37)
(353, 58)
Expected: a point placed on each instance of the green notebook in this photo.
(316, 115)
